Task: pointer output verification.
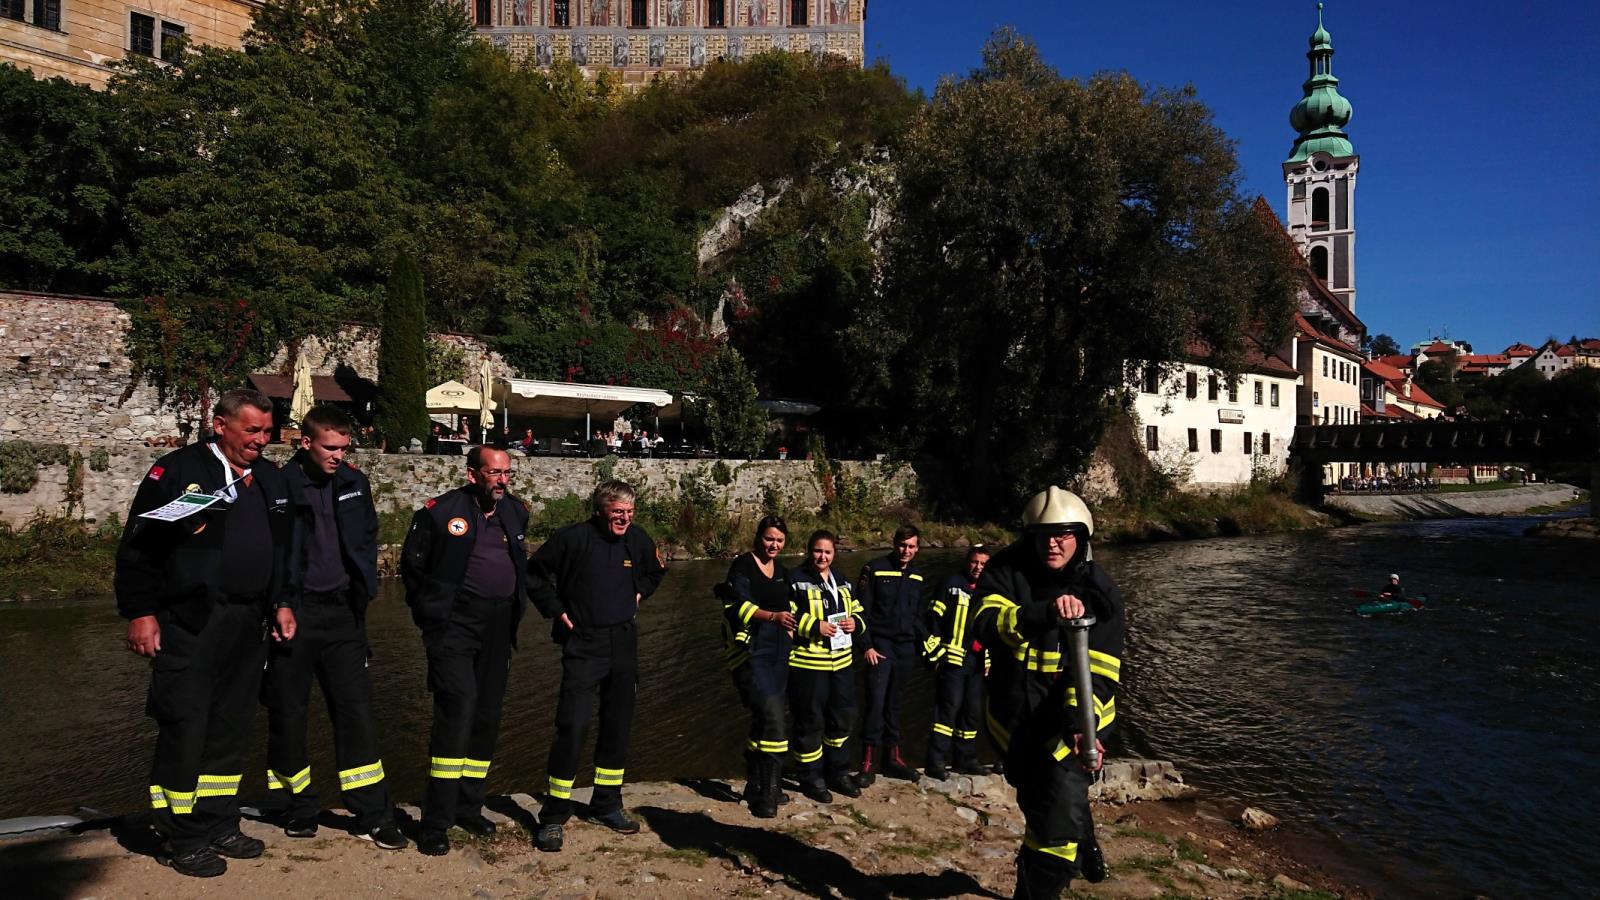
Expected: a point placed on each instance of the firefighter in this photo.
(1025, 593)
(590, 578)
(197, 589)
(464, 566)
(958, 663)
(891, 591)
(758, 630)
(332, 576)
(822, 688)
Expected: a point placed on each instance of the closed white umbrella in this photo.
(301, 402)
(485, 405)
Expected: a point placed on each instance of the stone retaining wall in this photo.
(402, 482)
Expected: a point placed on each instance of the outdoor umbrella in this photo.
(301, 403)
(485, 405)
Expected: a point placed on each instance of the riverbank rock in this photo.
(1584, 529)
(1127, 780)
(1257, 820)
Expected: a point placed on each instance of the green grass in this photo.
(1187, 850)
(1283, 893)
(1136, 831)
(55, 556)
(861, 819)
(923, 851)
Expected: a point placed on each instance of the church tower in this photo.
(1321, 175)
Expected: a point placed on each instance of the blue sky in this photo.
(1478, 126)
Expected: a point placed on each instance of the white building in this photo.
(1209, 432)
(1553, 359)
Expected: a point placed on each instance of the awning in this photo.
(334, 389)
(454, 397)
(556, 400)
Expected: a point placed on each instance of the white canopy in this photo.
(454, 397)
(558, 400)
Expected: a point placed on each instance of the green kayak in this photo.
(1391, 606)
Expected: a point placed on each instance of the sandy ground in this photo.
(929, 839)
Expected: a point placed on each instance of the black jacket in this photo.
(357, 521)
(176, 566)
(558, 572)
(893, 600)
(1030, 676)
(438, 547)
(948, 620)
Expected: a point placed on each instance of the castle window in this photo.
(1233, 390)
(1319, 209)
(483, 13)
(1194, 440)
(1319, 263)
(1274, 393)
(1266, 444)
(141, 34)
(1152, 439)
(561, 13)
(172, 39)
(1249, 444)
(46, 14)
(14, 9)
(639, 16)
(1216, 440)
(1211, 388)
(1152, 380)
(717, 13)
(797, 12)
(1192, 386)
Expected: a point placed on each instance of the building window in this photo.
(1194, 440)
(1319, 262)
(1266, 444)
(1273, 392)
(1258, 393)
(1211, 388)
(482, 13)
(1152, 380)
(639, 16)
(1191, 387)
(561, 13)
(46, 13)
(1233, 390)
(1152, 440)
(1324, 367)
(1319, 209)
(1249, 444)
(797, 12)
(172, 41)
(717, 13)
(14, 9)
(1216, 440)
(141, 34)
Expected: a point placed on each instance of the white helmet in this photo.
(1054, 508)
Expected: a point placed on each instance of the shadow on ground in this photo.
(821, 873)
(45, 866)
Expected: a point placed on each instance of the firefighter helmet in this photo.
(1055, 509)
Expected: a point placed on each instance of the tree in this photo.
(402, 405)
(1047, 233)
(191, 349)
(733, 421)
(1383, 345)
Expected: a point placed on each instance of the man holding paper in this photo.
(196, 580)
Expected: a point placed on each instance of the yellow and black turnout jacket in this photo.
(814, 604)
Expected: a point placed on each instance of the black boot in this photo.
(1091, 862)
(895, 767)
(869, 767)
(763, 801)
(1038, 880)
(752, 775)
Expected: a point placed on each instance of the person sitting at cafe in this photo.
(528, 444)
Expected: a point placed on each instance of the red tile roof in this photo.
(1395, 381)
(1401, 361)
(1589, 345)
(1521, 350)
(1564, 350)
(1257, 357)
(1485, 359)
(1309, 331)
(1438, 347)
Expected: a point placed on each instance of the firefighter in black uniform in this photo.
(196, 591)
(1026, 592)
(957, 658)
(332, 576)
(891, 592)
(822, 687)
(464, 565)
(590, 578)
(758, 631)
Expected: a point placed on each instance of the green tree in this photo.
(1383, 345)
(733, 421)
(402, 407)
(193, 348)
(1049, 232)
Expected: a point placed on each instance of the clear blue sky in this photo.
(1477, 123)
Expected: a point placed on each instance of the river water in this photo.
(1443, 752)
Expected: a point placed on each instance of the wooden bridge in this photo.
(1537, 441)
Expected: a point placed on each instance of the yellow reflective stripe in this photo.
(296, 783)
(1067, 851)
(560, 788)
(805, 623)
(218, 785)
(445, 766)
(808, 757)
(1005, 618)
(746, 611)
(835, 743)
(180, 802)
(889, 573)
(937, 606)
(1106, 712)
(604, 777)
(1061, 750)
(361, 776)
(474, 768)
(773, 747)
(1105, 664)
(946, 730)
(914, 577)
(967, 735)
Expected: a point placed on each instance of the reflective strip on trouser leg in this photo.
(361, 776)
(561, 788)
(218, 785)
(1067, 851)
(967, 735)
(445, 767)
(808, 757)
(942, 729)
(296, 783)
(474, 768)
(836, 743)
(604, 777)
(180, 802)
(779, 747)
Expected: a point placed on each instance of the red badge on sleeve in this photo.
(155, 473)
(429, 504)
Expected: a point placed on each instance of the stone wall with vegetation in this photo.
(104, 482)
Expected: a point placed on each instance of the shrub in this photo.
(20, 462)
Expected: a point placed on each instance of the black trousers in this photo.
(603, 660)
(203, 692)
(824, 706)
(1054, 797)
(330, 646)
(469, 660)
(762, 682)
(885, 683)
(957, 711)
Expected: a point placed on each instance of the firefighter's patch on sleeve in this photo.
(155, 473)
(430, 503)
(457, 526)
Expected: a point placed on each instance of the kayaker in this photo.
(1392, 590)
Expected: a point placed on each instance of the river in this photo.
(1443, 752)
